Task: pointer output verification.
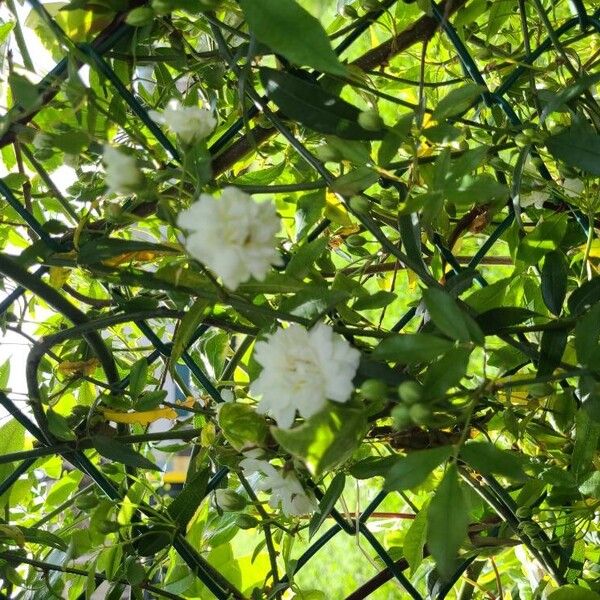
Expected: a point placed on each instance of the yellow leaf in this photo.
(129, 257)
(425, 149)
(594, 249)
(78, 367)
(12, 533)
(58, 276)
(336, 212)
(141, 418)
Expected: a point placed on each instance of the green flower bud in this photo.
(370, 120)
(246, 521)
(523, 512)
(229, 501)
(401, 417)
(355, 241)
(373, 389)
(538, 544)
(410, 392)
(370, 4)
(420, 414)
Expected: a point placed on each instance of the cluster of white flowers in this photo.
(302, 369)
(122, 173)
(232, 235)
(190, 123)
(286, 490)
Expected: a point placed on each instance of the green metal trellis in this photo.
(92, 53)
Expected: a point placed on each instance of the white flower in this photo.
(233, 235)
(122, 173)
(285, 490)
(301, 370)
(190, 123)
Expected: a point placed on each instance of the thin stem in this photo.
(267, 532)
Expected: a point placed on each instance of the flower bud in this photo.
(370, 120)
(246, 521)
(373, 389)
(229, 501)
(401, 417)
(410, 392)
(420, 414)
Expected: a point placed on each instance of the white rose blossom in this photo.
(302, 369)
(232, 235)
(122, 173)
(190, 123)
(286, 490)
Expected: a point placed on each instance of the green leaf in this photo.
(12, 439)
(457, 101)
(447, 522)
(569, 93)
(24, 93)
(487, 458)
(499, 13)
(587, 334)
(291, 31)
(586, 295)
(552, 348)
(449, 318)
(325, 440)
(312, 106)
(573, 592)
(98, 250)
(116, 451)
(331, 496)
(372, 466)
(554, 281)
(304, 258)
(410, 233)
(446, 372)
(183, 508)
(377, 300)
(413, 469)
(410, 348)
(579, 149)
(59, 426)
(242, 426)
(309, 209)
(587, 434)
(150, 400)
(138, 376)
(44, 538)
(415, 539)
(187, 326)
(355, 182)
(591, 486)
(497, 319)
(545, 237)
